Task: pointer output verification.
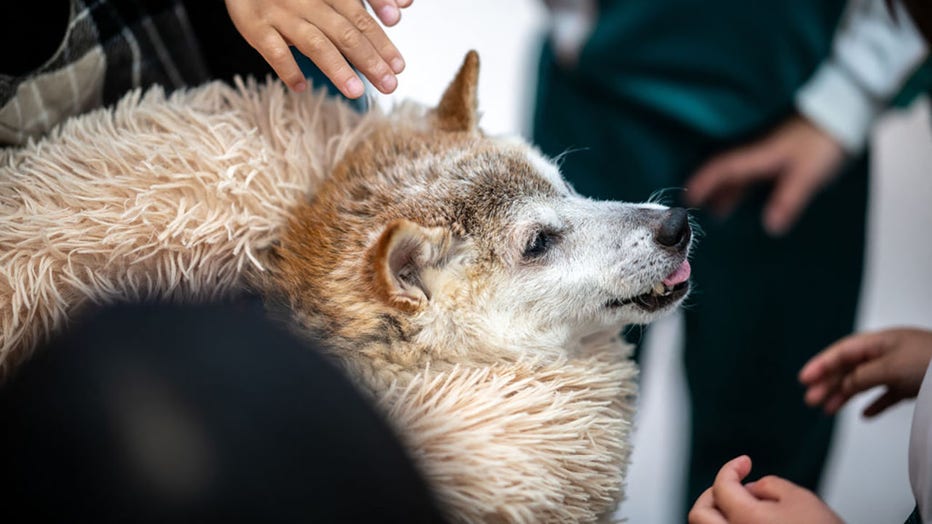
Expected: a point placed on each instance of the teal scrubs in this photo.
(659, 88)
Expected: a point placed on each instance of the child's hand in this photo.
(895, 358)
(325, 31)
(798, 158)
(770, 500)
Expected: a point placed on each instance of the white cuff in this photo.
(873, 53)
(835, 103)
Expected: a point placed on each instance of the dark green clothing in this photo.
(658, 89)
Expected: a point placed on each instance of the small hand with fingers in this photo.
(895, 358)
(798, 158)
(770, 500)
(332, 33)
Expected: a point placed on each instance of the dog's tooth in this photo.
(659, 288)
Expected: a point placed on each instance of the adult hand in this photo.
(798, 158)
(895, 358)
(325, 31)
(770, 500)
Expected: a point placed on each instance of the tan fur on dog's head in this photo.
(434, 243)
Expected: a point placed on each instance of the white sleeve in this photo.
(920, 449)
(873, 53)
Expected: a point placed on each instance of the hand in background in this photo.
(895, 358)
(770, 500)
(325, 31)
(798, 157)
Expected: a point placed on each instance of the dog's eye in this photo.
(539, 244)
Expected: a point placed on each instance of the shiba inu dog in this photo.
(434, 243)
(457, 277)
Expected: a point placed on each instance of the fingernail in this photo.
(389, 83)
(300, 87)
(398, 65)
(354, 87)
(389, 15)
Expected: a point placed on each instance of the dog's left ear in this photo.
(398, 259)
(458, 109)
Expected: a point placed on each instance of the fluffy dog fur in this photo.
(455, 275)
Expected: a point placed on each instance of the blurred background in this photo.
(867, 480)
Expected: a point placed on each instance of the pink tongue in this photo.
(679, 276)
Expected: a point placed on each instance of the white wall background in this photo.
(867, 477)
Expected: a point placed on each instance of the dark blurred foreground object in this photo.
(921, 13)
(184, 413)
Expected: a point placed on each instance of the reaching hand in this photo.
(325, 31)
(895, 358)
(770, 500)
(798, 157)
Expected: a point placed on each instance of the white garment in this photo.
(873, 53)
(920, 449)
(572, 22)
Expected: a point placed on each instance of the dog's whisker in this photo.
(662, 197)
(558, 160)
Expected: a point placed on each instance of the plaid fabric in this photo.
(109, 47)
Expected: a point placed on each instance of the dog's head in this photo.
(435, 241)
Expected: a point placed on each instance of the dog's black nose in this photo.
(674, 228)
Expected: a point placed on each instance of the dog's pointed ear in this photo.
(398, 259)
(458, 109)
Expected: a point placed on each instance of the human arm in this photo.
(331, 33)
(894, 358)
(874, 51)
(769, 500)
